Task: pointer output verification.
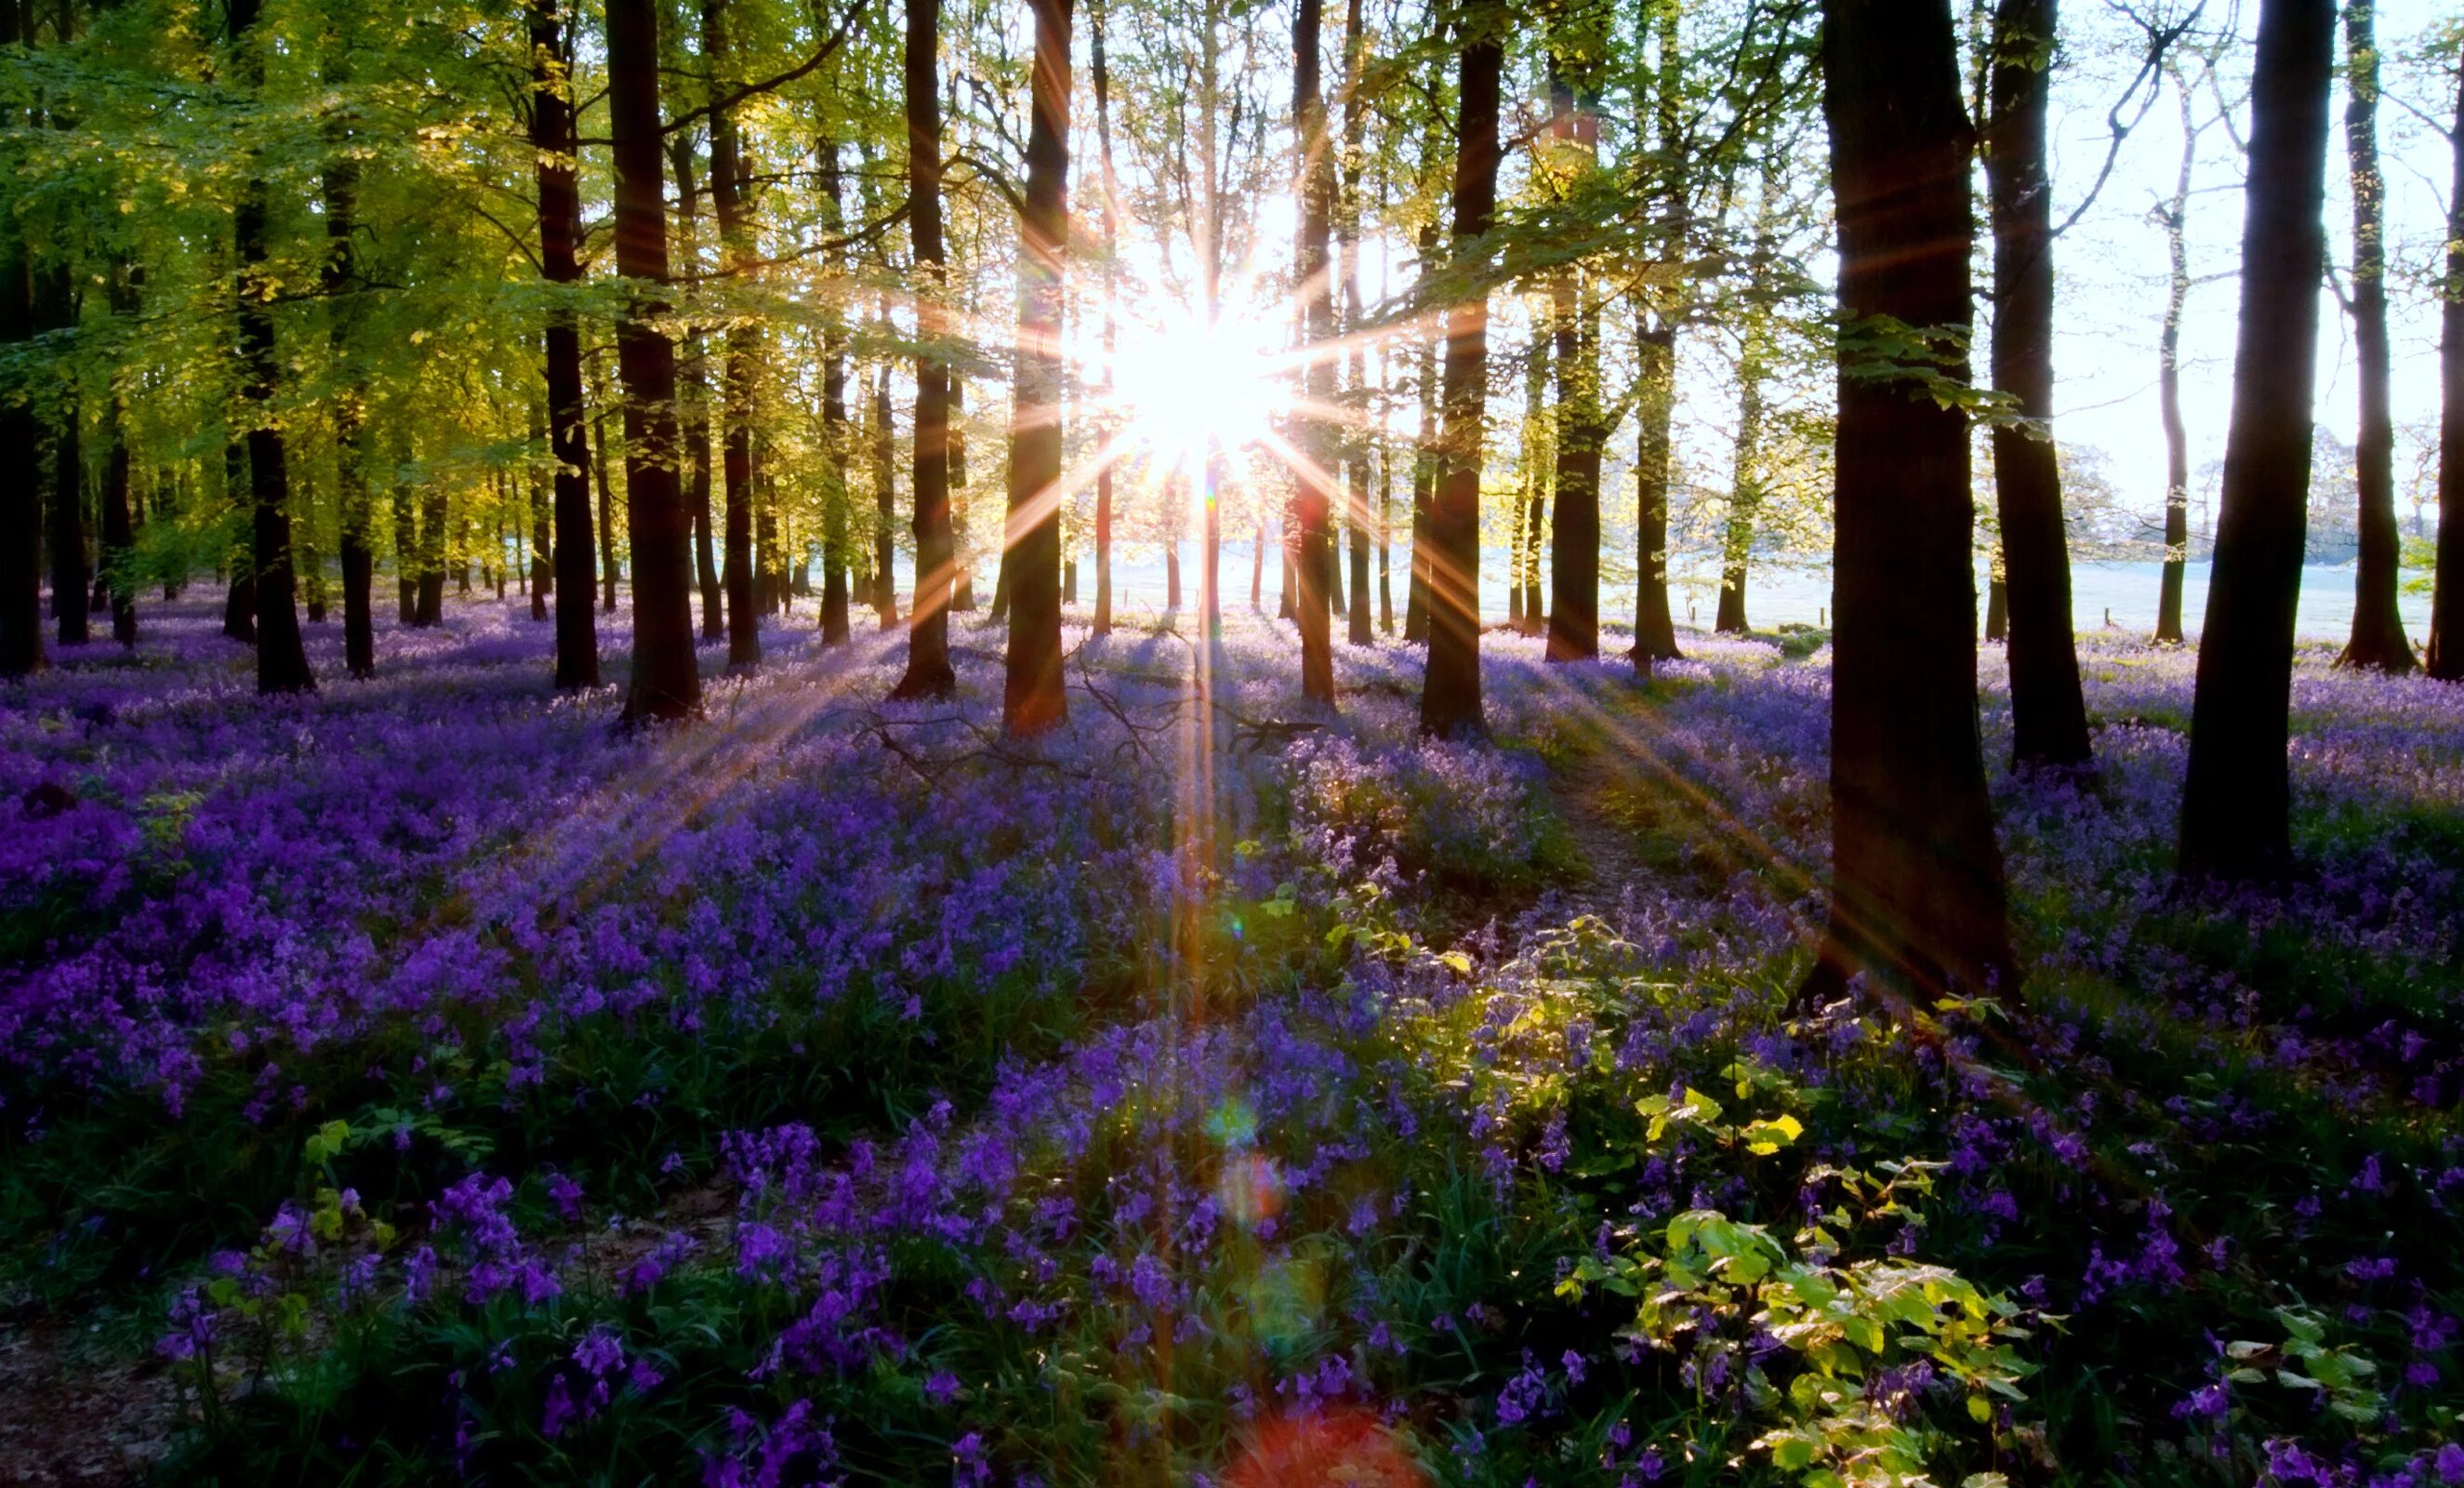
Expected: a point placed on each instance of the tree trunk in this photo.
(1172, 576)
(56, 310)
(341, 189)
(1582, 422)
(2175, 215)
(1033, 700)
(560, 217)
(1523, 570)
(2378, 639)
(2236, 801)
(1655, 629)
(1917, 896)
(928, 672)
(542, 565)
(1312, 275)
(666, 682)
(835, 432)
(2444, 658)
(1424, 470)
(885, 504)
(281, 661)
(1102, 77)
(693, 407)
(431, 556)
(1997, 603)
(1450, 702)
(2048, 713)
(119, 536)
(21, 504)
(737, 575)
(1745, 488)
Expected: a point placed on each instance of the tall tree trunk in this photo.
(2236, 801)
(1311, 272)
(1450, 702)
(281, 661)
(542, 507)
(885, 507)
(342, 279)
(56, 310)
(666, 682)
(2048, 712)
(1917, 895)
(835, 434)
(1101, 76)
(1171, 575)
(1033, 700)
(2444, 657)
(609, 573)
(928, 672)
(737, 570)
(21, 503)
(1424, 469)
(2175, 215)
(1523, 562)
(1655, 629)
(2378, 639)
(560, 218)
(118, 534)
(1385, 533)
(694, 403)
(1574, 614)
(432, 511)
(1745, 486)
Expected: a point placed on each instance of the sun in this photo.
(1186, 386)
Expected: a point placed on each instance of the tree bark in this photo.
(2378, 640)
(1582, 420)
(21, 502)
(1655, 629)
(1917, 896)
(1314, 276)
(1424, 469)
(1745, 487)
(1450, 698)
(2236, 801)
(2444, 657)
(885, 504)
(282, 660)
(560, 216)
(928, 672)
(1101, 77)
(2175, 215)
(692, 406)
(666, 680)
(1033, 700)
(835, 432)
(737, 568)
(542, 508)
(2048, 712)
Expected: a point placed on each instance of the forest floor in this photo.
(426, 1079)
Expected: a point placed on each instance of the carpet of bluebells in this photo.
(430, 1081)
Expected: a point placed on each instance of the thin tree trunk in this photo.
(1655, 629)
(2378, 639)
(1917, 895)
(341, 189)
(21, 506)
(56, 310)
(1745, 487)
(609, 575)
(560, 214)
(118, 535)
(2237, 800)
(1033, 700)
(737, 575)
(694, 407)
(835, 435)
(542, 565)
(2444, 657)
(2048, 711)
(1450, 692)
(281, 661)
(431, 556)
(928, 672)
(885, 504)
(2175, 215)
(1101, 77)
(1312, 276)
(1424, 470)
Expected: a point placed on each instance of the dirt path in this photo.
(68, 1415)
(1586, 784)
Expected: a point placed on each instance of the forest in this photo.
(1266, 743)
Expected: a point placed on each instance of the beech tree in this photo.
(2444, 657)
(1917, 898)
(928, 672)
(2378, 639)
(1032, 698)
(2237, 800)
